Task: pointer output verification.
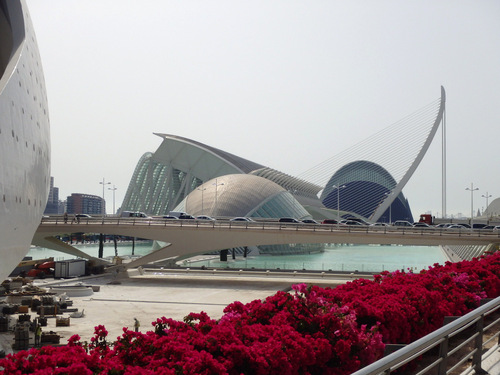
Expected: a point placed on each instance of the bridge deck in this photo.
(190, 237)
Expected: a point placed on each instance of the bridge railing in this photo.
(275, 225)
(438, 354)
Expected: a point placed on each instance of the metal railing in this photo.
(494, 236)
(467, 352)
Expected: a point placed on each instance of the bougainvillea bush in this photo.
(311, 330)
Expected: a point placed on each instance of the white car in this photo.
(455, 226)
(402, 223)
(379, 224)
(241, 219)
(204, 217)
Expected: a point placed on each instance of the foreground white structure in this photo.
(24, 135)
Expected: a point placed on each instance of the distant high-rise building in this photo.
(53, 203)
(85, 204)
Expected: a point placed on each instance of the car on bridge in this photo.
(456, 226)
(289, 220)
(134, 214)
(241, 218)
(443, 225)
(402, 223)
(478, 225)
(83, 216)
(205, 217)
(170, 217)
(352, 222)
(491, 227)
(379, 224)
(186, 217)
(309, 221)
(420, 224)
(329, 221)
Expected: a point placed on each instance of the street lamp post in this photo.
(471, 189)
(338, 201)
(114, 189)
(202, 190)
(486, 196)
(103, 182)
(216, 184)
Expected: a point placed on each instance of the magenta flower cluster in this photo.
(311, 330)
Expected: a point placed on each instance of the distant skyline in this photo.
(287, 84)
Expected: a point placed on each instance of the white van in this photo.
(133, 214)
(178, 214)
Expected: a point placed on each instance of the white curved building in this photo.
(24, 135)
(493, 209)
(179, 166)
(242, 195)
(185, 175)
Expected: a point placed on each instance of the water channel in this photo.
(362, 258)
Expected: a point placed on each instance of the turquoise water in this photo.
(124, 249)
(362, 258)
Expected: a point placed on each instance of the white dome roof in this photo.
(231, 195)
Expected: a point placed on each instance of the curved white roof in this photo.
(231, 195)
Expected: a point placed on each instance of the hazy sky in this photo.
(287, 84)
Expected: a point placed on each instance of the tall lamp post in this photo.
(103, 183)
(216, 184)
(471, 189)
(114, 189)
(338, 200)
(202, 190)
(486, 196)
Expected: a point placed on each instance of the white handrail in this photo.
(397, 359)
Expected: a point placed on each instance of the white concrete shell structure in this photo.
(24, 135)
(164, 178)
(493, 209)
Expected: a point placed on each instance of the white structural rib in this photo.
(402, 182)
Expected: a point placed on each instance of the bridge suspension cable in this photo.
(398, 149)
